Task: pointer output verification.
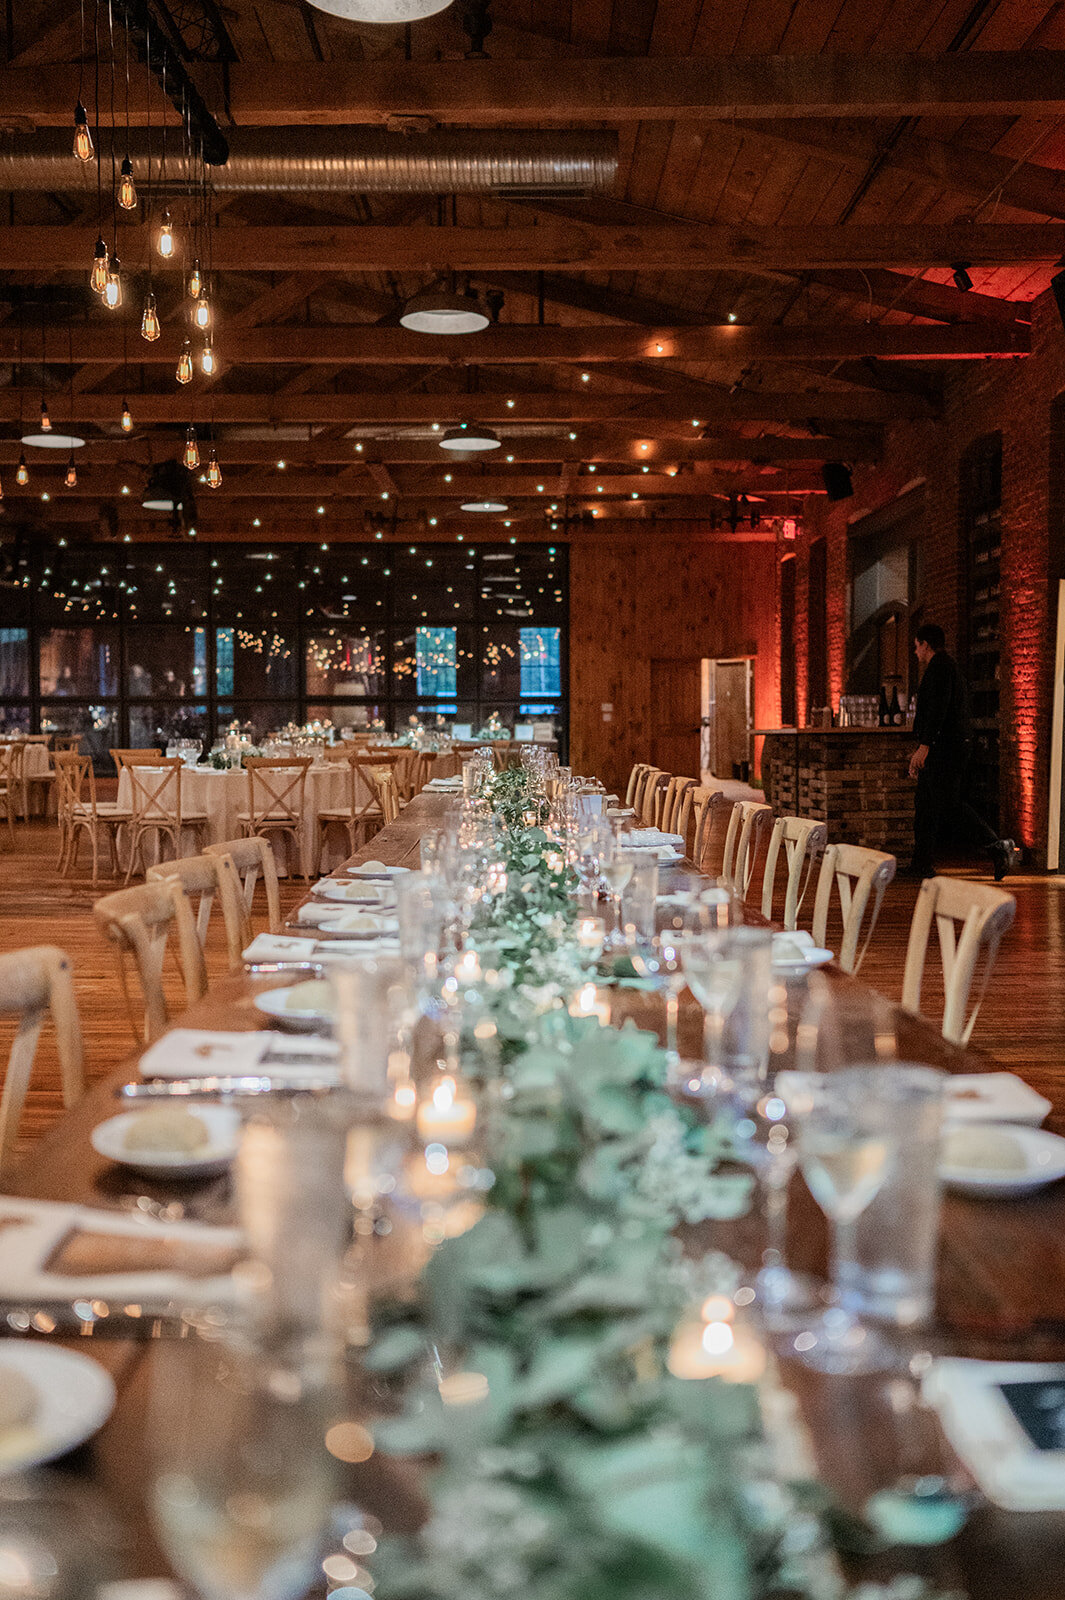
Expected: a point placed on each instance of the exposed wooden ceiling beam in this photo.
(357, 345)
(540, 490)
(599, 447)
(921, 297)
(565, 246)
(484, 93)
(978, 174)
(557, 406)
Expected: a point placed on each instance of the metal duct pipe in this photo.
(346, 161)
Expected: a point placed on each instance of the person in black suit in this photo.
(941, 728)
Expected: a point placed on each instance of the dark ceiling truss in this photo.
(158, 37)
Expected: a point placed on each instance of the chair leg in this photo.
(95, 854)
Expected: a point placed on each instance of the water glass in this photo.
(639, 898)
(886, 1259)
(424, 908)
(242, 1479)
(729, 970)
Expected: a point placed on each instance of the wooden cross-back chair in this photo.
(384, 781)
(363, 809)
(747, 826)
(860, 877)
(277, 797)
(131, 758)
(676, 807)
(11, 752)
(34, 984)
(804, 842)
(248, 860)
(647, 802)
(158, 809)
(80, 812)
(708, 806)
(638, 770)
(211, 876)
(970, 920)
(138, 922)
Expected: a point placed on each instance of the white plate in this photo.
(378, 870)
(223, 1126)
(357, 894)
(812, 957)
(75, 1398)
(1044, 1153)
(273, 1003)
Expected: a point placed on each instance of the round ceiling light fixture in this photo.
(484, 505)
(470, 436)
(169, 488)
(52, 440)
(442, 311)
(382, 10)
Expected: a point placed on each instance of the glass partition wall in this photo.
(135, 644)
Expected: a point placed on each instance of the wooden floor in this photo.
(1022, 1023)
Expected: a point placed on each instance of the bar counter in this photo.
(855, 779)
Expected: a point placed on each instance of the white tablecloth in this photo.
(37, 761)
(222, 795)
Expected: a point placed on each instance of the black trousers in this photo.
(943, 816)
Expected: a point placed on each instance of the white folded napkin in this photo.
(992, 1097)
(361, 922)
(198, 1053)
(989, 1438)
(278, 947)
(648, 838)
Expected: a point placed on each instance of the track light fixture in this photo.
(960, 273)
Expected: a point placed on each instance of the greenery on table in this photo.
(533, 1363)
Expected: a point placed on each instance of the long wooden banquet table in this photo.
(1001, 1295)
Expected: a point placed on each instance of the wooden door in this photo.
(676, 706)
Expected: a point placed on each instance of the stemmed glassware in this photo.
(617, 867)
(594, 839)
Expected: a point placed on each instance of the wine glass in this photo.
(617, 868)
(592, 842)
(714, 976)
(242, 1481)
(848, 1143)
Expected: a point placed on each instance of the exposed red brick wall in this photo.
(1016, 398)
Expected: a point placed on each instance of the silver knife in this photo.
(211, 1088)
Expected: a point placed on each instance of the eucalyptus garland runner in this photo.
(533, 1364)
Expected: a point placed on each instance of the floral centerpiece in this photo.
(493, 729)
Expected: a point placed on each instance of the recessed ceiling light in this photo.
(438, 311)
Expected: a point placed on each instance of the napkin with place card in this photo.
(649, 839)
(1006, 1421)
(51, 1252)
(992, 1097)
(276, 947)
(197, 1053)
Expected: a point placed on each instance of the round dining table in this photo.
(221, 794)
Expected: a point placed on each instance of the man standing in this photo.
(941, 728)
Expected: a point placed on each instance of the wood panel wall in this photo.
(641, 596)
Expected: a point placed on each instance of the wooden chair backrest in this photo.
(362, 797)
(676, 806)
(207, 876)
(387, 792)
(13, 761)
(33, 983)
(804, 842)
(707, 806)
(970, 919)
(648, 803)
(130, 758)
(249, 858)
(71, 773)
(277, 788)
(155, 790)
(138, 922)
(749, 822)
(66, 741)
(638, 770)
(860, 876)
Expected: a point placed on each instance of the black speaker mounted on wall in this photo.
(837, 480)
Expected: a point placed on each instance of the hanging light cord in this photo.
(114, 180)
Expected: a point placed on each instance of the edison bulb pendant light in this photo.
(202, 314)
(98, 276)
(192, 450)
(71, 479)
(46, 421)
(166, 237)
(150, 320)
(214, 473)
(195, 280)
(127, 193)
(113, 286)
(22, 475)
(207, 359)
(1, 491)
(184, 366)
(127, 418)
(82, 137)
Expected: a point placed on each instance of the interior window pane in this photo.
(540, 658)
(358, 716)
(167, 661)
(14, 662)
(255, 659)
(79, 661)
(258, 719)
(96, 725)
(163, 581)
(436, 658)
(500, 662)
(158, 724)
(346, 661)
(14, 719)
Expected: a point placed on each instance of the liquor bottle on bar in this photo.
(884, 714)
(896, 708)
